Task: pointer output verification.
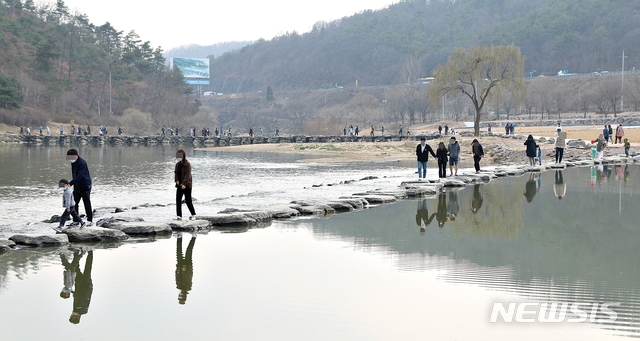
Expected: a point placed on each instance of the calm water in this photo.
(414, 270)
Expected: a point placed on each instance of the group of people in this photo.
(446, 130)
(509, 128)
(448, 208)
(446, 155)
(82, 185)
(609, 134)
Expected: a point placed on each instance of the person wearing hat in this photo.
(81, 183)
(422, 153)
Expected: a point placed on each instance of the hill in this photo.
(55, 65)
(409, 39)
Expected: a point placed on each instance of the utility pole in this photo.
(110, 112)
(622, 94)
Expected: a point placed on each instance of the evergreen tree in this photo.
(10, 92)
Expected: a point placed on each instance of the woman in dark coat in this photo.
(182, 177)
(531, 149)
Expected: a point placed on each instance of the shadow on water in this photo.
(572, 237)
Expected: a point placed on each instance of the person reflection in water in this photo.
(476, 199)
(83, 284)
(184, 269)
(452, 207)
(560, 189)
(423, 219)
(530, 188)
(441, 215)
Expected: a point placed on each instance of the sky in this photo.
(205, 22)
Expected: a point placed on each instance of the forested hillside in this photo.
(408, 40)
(57, 65)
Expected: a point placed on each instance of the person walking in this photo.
(454, 154)
(619, 133)
(605, 133)
(478, 153)
(561, 144)
(531, 149)
(422, 153)
(69, 206)
(627, 146)
(48, 131)
(601, 143)
(446, 129)
(610, 133)
(184, 182)
(441, 154)
(81, 183)
(439, 130)
(558, 129)
(400, 132)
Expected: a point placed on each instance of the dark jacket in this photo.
(185, 177)
(81, 177)
(531, 147)
(477, 151)
(424, 156)
(441, 154)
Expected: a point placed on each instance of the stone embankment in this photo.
(115, 228)
(198, 141)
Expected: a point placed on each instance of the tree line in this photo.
(57, 65)
(407, 40)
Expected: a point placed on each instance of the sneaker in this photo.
(74, 223)
(193, 217)
(89, 223)
(177, 218)
(57, 229)
(82, 225)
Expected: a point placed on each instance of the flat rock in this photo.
(340, 206)
(356, 203)
(557, 166)
(141, 227)
(314, 209)
(447, 182)
(6, 246)
(95, 234)
(39, 241)
(283, 212)
(189, 225)
(107, 221)
(379, 199)
(235, 219)
(535, 169)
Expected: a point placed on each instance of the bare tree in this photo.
(611, 89)
(478, 73)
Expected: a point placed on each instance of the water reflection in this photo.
(184, 268)
(530, 188)
(476, 200)
(559, 188)
(78, 282)
(423, 219)
(581, 249)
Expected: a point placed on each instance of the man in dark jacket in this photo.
(81, 183)
(422, 152)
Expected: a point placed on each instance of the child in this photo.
(69, 204)
(627, 146)
(538, 156)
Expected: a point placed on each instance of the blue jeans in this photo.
(422, 169)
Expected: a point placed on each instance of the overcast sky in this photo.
(171, 24)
